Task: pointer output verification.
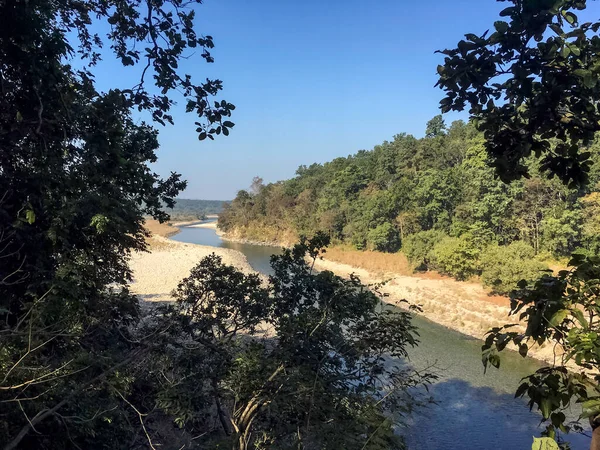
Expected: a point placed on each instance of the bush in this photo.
(457, 257)
(417, 247)
(384, 238)
(504, 266)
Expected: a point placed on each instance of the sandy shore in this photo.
(212, 225)
(157, 273)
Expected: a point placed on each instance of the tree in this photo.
(562, 234)
(75, 186)
(503, 267)
(384, 238)
(591, 223)
(531, 86)
(531, 206)
(417, 247)
(457, 257)
(320, 379)
(542, 65)
(561, 309)
(435, 127)
(257, 185)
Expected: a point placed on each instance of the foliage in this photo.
(457, 257)
(503, 267)
(321, 376)
(532, 87)
(75, 187)
(591, 223)
(533, 92)
(560, 310)
(417, 247)
(438, 185)
(435, 127)
(187, 209)
(384, 238)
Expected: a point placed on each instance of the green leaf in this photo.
(558, 317)
(569, 17)
(523, 349)
(575, 50)
(508, 11)
(19, 116)
(590, 408)
(546, 407)
(228, 124)
(582, 72)
(521, 390)
(30, 216)
(565, 51)
(589, 81)
(557, 29)
(578, 314)
(501, 26)
(544, 443)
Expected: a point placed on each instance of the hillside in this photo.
(436, 200)
(189, 209)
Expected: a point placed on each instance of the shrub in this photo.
(384, 238)
(457, 257)
(417, 247)
(504, 266)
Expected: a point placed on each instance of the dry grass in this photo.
(376, 262)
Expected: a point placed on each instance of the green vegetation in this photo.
(504, 266)
(532, 86)
(438, 200)
(82, 364)
(188, 209)
(322, 378)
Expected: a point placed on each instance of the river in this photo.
(473, 410)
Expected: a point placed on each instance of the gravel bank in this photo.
(461, 306)
(157, 273)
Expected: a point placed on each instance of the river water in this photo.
(473, 410)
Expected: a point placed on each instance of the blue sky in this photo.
(311, 80)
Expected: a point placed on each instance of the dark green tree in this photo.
(531, 85)
(436, 127)
(75, 185)
(318, 377)
(532, 88)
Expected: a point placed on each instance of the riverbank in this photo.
(157, 272)
(260, 237)
(460, 306)
(212, 225)
(466, 307)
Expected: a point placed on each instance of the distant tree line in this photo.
(438, 200)
(189, 209)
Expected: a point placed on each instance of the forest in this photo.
(191, 209)
(438, 201)
(300, 360)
